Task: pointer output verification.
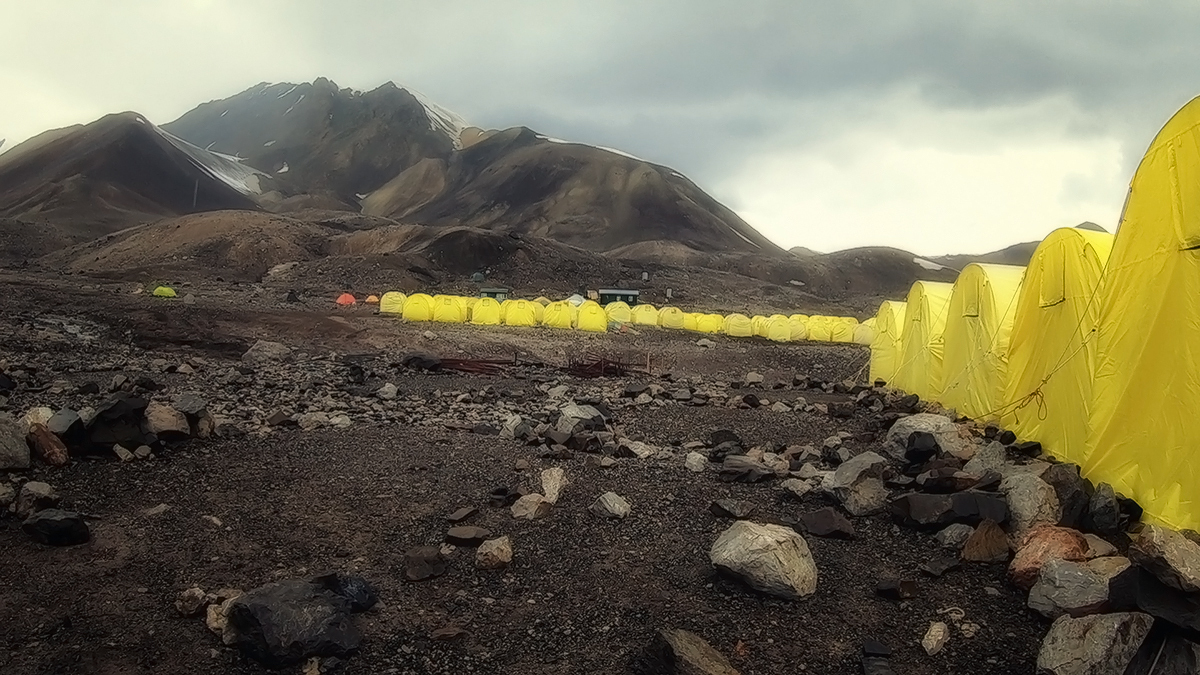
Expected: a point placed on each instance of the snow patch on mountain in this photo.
(441, 119)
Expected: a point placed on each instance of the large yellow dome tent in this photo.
(799, 328)
(820, 328)
(671, 317)
(920, 368)
(449, 309)
(738, 325)
(711, 323)
(691, 320)
(418, 307)
(842, 328)
(485, 312)
(758, 323)
(979, 321)
(618, 312)
(542, 300)
(1144, 426)
(392, 302)
(1052, 350)
(591, 317)
(538, 310)
(521, 313)
(864, 333)
(559, 315)
(644, 315)
(778, 329)
(887, 347)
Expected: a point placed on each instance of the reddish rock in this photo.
(988, 543)
(1041, 545)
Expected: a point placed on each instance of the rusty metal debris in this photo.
(591, 365)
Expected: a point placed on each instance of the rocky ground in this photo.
(246, 463)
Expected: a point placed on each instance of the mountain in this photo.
(392, 152)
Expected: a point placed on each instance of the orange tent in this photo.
(345, 300)
(372, 300)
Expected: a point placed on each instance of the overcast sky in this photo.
(939, 126)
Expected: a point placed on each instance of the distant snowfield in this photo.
(598, 147)
(441, 119)
(224, 168)
(929, 264)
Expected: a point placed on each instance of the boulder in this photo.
(796, 487)
(54, 527)
(1041, 545)
(827, 522)
(1074, 588)
(732, 508)
(192, 405)
(990, 457)
(531, 507)
(858, 485)
(695, 462)
(494, 554)
(574, 419)
(118, 421)
(925, 510)
(48, 447)
(34, 496)
(988, 543)
(264, 352)
(553, 481)
(1074, 493)
(945, 431)
(467, 535)
(1031, 500)
(387, 392)
(191, 602)
(14, 451)
(768, 558)
(69, 426)
(286, 622)
(1136, 589)
(424, 562)
(1093, 645)
(611, 505)
(1104, 512)
(7, 495)
(742, 469)
(680, 652)
(354, 589)
(1168, 555)
(516, 428)
(38, 415)
(165, 422)
(954, 536)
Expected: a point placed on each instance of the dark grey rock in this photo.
(54, 527)
(424, 562)
(286, 622)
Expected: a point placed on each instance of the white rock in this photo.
(935, 638)
(494, 554)
(1093, 645)
(768, 558)
(946, 432)
(387, 392)
(553, 481)
(264, 352)
(39, 415)
(531, 507)
(796, 486)
(165, 422)
(696, 462)
(1031, 501)
(611, 505)
(14, 451)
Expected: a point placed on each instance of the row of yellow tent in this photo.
(590, 316)
(1093, 349)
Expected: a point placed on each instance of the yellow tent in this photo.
(920, 368)
(779, 329)
(820, 328)
(738, 325)
(691, 320)
(799, 317)
(618, 312)
(418, 307)
(644, 315)
(799, 329)
(841, 328)
(671, 317)
(521, 313)
(538, 310)
(978, 323)
(758, 324)
(542, 300)
(1052, 349)
(559, 315)
(449, 309)
(864, 333)
(485, 312)
(710, 323)
(1144, 428)
(591, 317)
(887, 347)
(392, 302)
(164, 292)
